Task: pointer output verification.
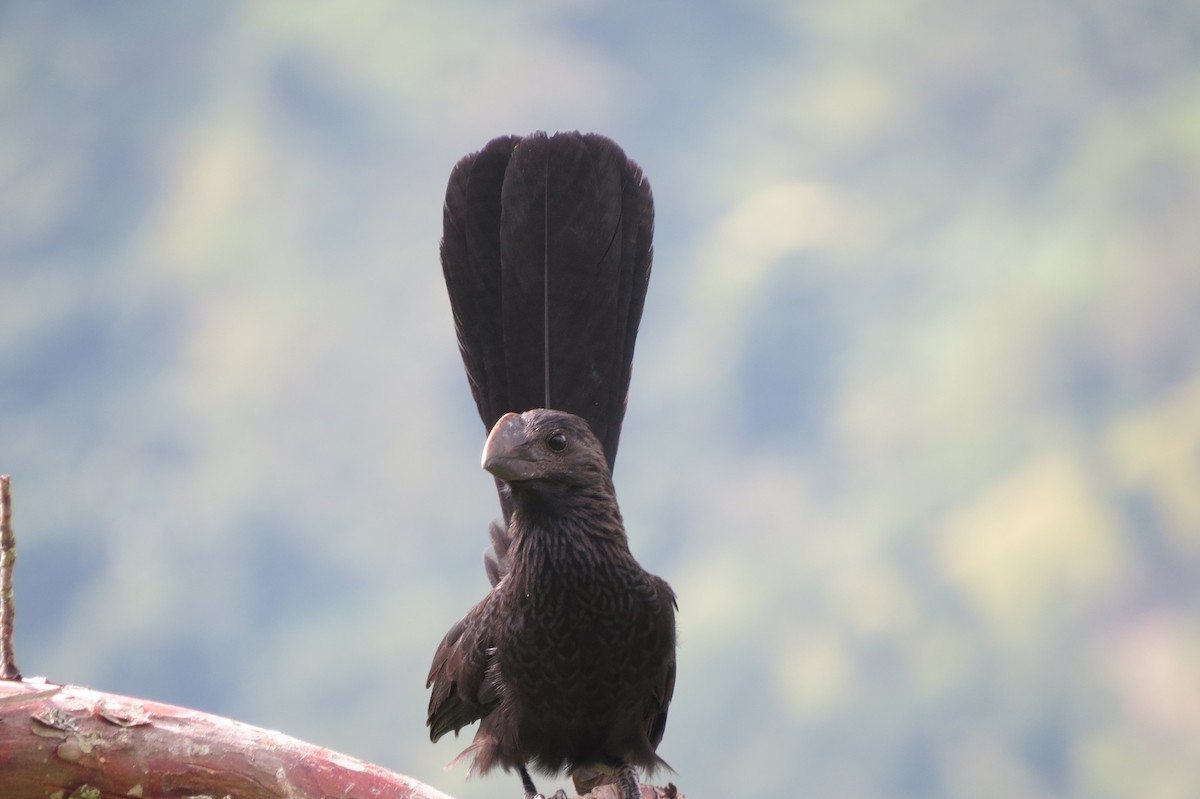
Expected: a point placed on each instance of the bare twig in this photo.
(8, 555)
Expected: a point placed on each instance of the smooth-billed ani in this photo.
(569, 661)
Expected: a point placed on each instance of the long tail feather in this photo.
(472, 269)
(546, 252)
(550, 229)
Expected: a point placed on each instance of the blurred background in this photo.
(914, 428)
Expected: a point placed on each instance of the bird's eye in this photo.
(556, 442)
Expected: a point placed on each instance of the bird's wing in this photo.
(661, 700)
(549, 229)
(495, 562)
(462, 692)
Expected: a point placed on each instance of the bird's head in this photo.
(545, 445)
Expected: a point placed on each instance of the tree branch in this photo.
(69, 742)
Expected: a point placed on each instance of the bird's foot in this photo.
(620, 777)
(530, 791)
(626, 778)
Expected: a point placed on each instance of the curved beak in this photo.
(504, 454)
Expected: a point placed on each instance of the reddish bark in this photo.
(66, 741)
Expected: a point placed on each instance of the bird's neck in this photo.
(550, 503)
(566, 523)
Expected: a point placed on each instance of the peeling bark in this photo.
(62, 742)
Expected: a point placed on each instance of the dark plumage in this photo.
(551, 229)
(569, 661)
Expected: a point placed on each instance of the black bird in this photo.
(569, 661)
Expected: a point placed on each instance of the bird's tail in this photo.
(546, 251)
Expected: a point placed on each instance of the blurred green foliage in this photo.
(915, 423)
